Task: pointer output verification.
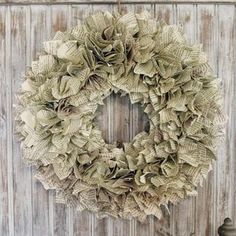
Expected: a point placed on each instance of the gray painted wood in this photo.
(37, 22)
(113, 1)
(4, 204)
(59, 19)
(183, 213)
(226, 66)
(26, 208)
(207, 35)
(21, 175)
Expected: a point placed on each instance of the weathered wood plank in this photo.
(21, 174)
(120, 132)
(60, 20)
(106, 226)
(123, 134)
(113, 226)
(162, 227)
(183, 215)
(4, 220)
(165, 13)
(115, 1)
(234, 125)
(115, 127)
(82, 221)
(100, 226)
(9, 123)
(137, 118)
(37, 28)
(186, 17)
(225, 164)
(205, 200)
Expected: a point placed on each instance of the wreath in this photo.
(154, 64)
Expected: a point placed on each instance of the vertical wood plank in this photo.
(105, 226)
(225, 168)
(135, 226)
(120, 129)
(147, 227)
(4, 224)
(207, 32)
(165, 226)
(119, 108)
(165, 12)
(186, 17)
(205, 200)
(183, 214)
(162, 227)
(40, 202)
(21, 173)
(121, 132)
(234, 121)
(100, 226)
(60, 20)
(82, 221)
(9, 123)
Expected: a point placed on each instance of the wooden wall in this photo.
(25, 207)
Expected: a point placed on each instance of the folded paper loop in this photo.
(154, 64)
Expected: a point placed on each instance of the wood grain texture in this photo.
(146, 227)
(163, 227)
(225, 168)
(205, 201)
(85, 223)
(182, 217)
(113, 1)
(60, 19)
(22, 189)
(37, 17)
(4, 227)
(8, 140)
(25, 207)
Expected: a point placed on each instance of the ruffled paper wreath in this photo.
(154, 64)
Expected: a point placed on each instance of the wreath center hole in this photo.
(119, 120)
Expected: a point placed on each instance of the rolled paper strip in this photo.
(155, 65)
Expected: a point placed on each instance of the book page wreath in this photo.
(154, 64)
